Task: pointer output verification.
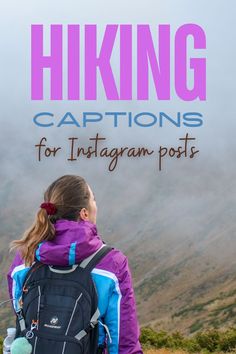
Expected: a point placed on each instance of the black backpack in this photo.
(59, 312)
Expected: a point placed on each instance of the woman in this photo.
(64, 233)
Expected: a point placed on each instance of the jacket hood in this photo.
(73, 242)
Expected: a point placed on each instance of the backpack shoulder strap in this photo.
(90, 262)
(36, 265)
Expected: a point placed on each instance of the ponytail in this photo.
(41, 230)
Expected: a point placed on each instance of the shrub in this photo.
(227, 341)
(208, 340)
(205, 342)
(155, 339)
(175, 340)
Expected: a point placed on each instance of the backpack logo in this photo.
(53, 323)
(54, 320)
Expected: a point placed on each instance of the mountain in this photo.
(178, 233)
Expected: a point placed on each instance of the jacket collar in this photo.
(73, 242)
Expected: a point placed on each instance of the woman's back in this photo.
(74, 241)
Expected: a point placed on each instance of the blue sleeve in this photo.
(112, 318)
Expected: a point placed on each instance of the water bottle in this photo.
(11, 332)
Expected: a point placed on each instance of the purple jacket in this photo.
(74, 242)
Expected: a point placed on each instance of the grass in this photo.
(207, 342)
(163, 351)
(168, 351)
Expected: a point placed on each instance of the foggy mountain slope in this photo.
(179, 236)
(182, 252)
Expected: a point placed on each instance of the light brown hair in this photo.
(69, 194)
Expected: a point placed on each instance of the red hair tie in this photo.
(49, 207)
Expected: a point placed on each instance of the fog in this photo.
(215, 139)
